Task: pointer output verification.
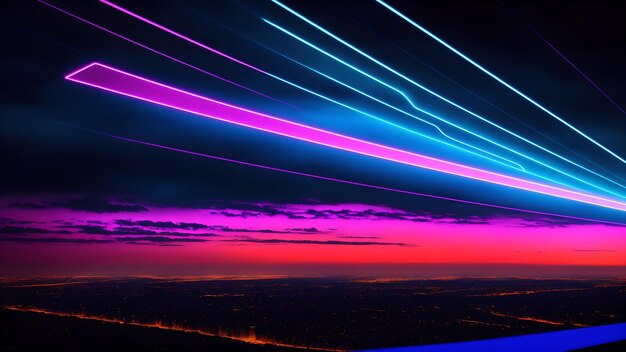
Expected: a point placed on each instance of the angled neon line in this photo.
(501, 81)
(181, 36)
(353, 183)
(120, 82)
(163, 54)
(128, 12)
(432, 92)
(442, 119)
(560, 54)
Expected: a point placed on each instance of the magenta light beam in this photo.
(182, 36)
(117, 81)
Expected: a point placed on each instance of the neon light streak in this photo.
(444, 120)
(163, 54)
(518, 166)
(501, 81)
(411, 131)
(429, 91)
(348, 182)
(117, 81)
(396, 125)
(406, 113)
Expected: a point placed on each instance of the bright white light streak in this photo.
(500, 80)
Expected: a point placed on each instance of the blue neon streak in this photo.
(439, 118)
(556, 341)
(382, 102)
(429, 91)
(520, 167)
(440, 41)
(386, 121)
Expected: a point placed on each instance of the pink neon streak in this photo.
(181, 36)
(117, 81)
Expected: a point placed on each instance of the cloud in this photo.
(158, 239)
(18, 230)
(329, 242)
(133, 231)
(361, 237)
(305, 229)
(594, 250)
(96, 204)
(162, 224)
(285, 231)
(27, 205)
(338, 211)
(53, 240)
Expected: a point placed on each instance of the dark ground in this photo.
(326, 313)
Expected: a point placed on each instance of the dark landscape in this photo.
(275, 314)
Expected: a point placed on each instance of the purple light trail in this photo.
(182, 36)
(120, 82)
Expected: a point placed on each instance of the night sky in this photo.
(79, 197)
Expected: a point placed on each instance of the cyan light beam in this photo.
(404, 112)
(381, 64)
(405, 96)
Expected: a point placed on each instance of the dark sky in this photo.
(46, 128)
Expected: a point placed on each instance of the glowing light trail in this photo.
(429, 91)
(405, 96)
(435, 126)
(117, 81)
(500, 80)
